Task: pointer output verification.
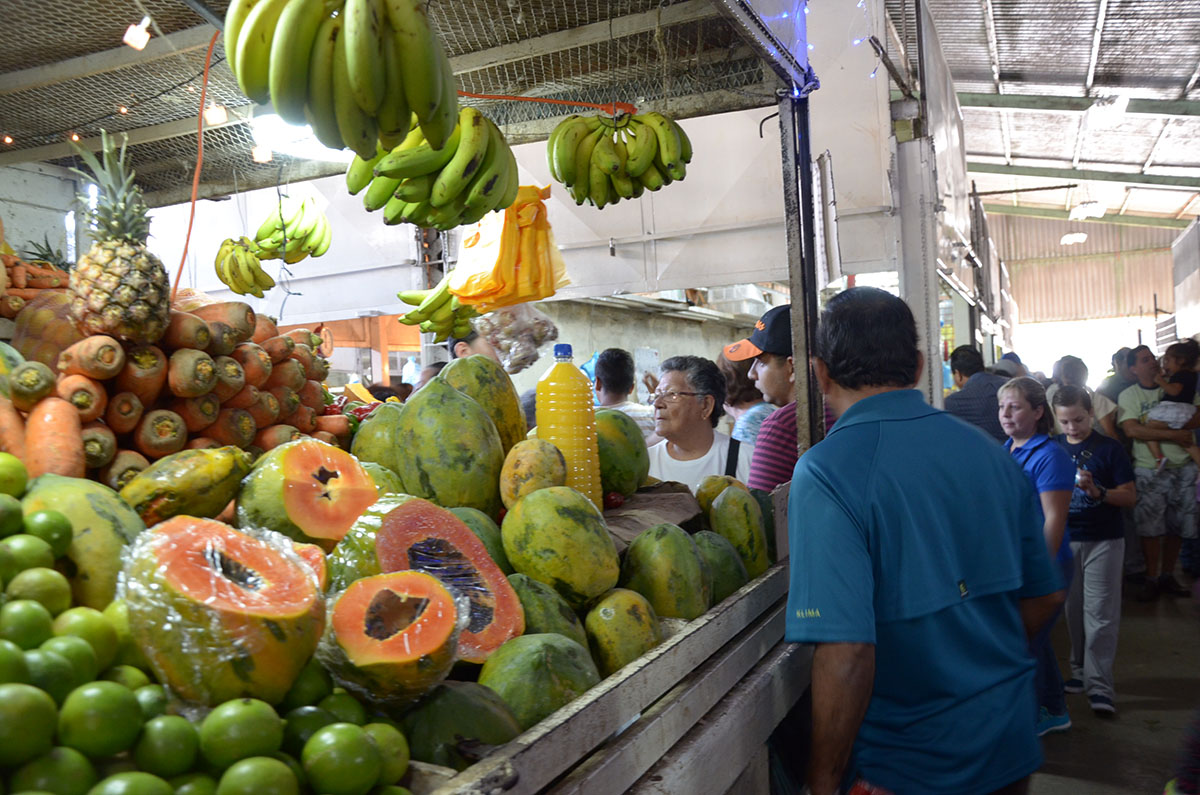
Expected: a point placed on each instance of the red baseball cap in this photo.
(772, 334)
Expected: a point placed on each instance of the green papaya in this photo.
(374, 441)
(728, 571)
(482, 525)
(664, 565)
(624, 459)
(484, 380)
(735, 515)
(456, 723)
(538, 674)
(193, 482)
(545, 610)
(621, 627)
(386, 481)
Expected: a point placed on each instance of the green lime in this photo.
(26, 723)
(393, 751)
(240, 729)
(121, 763)
(167, 747)
(100, 719)
(391, 789)
(258, 775)
(26, 623)
(133, 783)
(194, 784)
(78, 652)
(52, 527)
(152, 699)
(11, 518)
(29, 551)
(13, 667)
(52, 673)
(302, 723)
(126, 675)
(128, 652)
(8, 565)
(63, 771)
(341, 759)
(294, 765)
(13, 475)
(344, 707)
(312, 685)
(92, 626)
(43, 585)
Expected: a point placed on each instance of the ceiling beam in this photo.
(1063, 215)
(1128, 178)
(1184, 209)
(617, 28)
(1154, 149)
(989, 27)
(1050, 104)
(1101, 12)
(1191, 83)
(106, 61)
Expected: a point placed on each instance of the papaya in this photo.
(624, 459)
(545, 610)
(457, 723)
(664, 565)
(308, 490)
(386, 481)
(488, 532)
(102, 524)
(391, 637)
(193, 482)
(728, 571)
(621, 627)
(735, 515)
(220, 614)
(411, 533)
(712, 486)
(537, 674)
(375, 439)
(313, 556)
(767, 506)
(557, 536)
(530, 465)
(483, 380)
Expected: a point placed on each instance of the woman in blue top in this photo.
(743, 402)
(1026, 419)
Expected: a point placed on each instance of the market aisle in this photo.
(1158, 689)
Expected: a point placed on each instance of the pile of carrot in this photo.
(220, 375)
(26, 280)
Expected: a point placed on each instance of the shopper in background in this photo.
(975, 400)
(687, 406)
(614, 385)
(1072, 371)
(474, 342)
(1103, 486)
(1120, 378)
(1177, 380)
(743, 402)
(1026, 419)
(920, 600)
(773, 372)
(429, 372)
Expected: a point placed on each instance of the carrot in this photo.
(47, 270)
(312, 395)
(191, 373)
(275, 435)
(321, 369)
(264, 328)
(198, 412)
(288, 400)
(304, 336)
(254, 361)
(279, 348)
(54, 440)
(228, 514)
(161, 432)
(42, 281)
(99, 356)
(336, 424)
(231, 378)
(28, 383)
(87, 395)
(265, 410)
(186, 331)
(244, 399)
(233, 426)
(202, 443)
(289, 373)
(123, 468)
(327, 438)
(12, 429)
(99, 444)
(307, 359)
(237, 314)
(18, 276)
(10, 260)
(29, 293)
(11, 306)
(144, 373)
(123, 412)
(303, 418)
(224, 338)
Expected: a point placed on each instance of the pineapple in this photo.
(45, 254)
(118, 287)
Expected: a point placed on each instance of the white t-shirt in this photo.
(690, 473)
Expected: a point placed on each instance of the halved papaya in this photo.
(314, 557)
(308, 490)
(391, 637)
(220, 614)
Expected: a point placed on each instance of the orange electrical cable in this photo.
(611, 108)
(199, 162)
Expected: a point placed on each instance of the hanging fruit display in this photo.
(240, 270)
(293, 231)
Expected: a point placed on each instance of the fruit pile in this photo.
(604, 159)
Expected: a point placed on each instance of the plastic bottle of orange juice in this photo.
(567, 419)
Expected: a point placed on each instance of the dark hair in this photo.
(452, 343)
(1071, 368)
(1131, 357)
(382, 393)
(529, 407)
(1035, 395)
(1186, 351)
(614, 369)
(966, 360)
(868, 337)
(702, 376)
(738, 386)
(1122, 355)
(435, 366)
(1072, 396)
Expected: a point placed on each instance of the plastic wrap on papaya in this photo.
(221, 614)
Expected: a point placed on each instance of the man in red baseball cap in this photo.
(774, 374)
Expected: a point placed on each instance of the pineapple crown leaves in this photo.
(121, 212)
(46, 253)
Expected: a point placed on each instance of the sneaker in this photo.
(1102, 706)
(1048, 723)
(1073, 686)
(1169, 585)
(1148, 591)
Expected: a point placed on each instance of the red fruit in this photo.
(614, 499)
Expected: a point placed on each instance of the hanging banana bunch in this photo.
(239, 268)
(437, 311)
(293, 231)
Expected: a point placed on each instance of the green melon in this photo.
(664, 565)
(545, 610)
(537, 674)
(624, 459)
(456, 723)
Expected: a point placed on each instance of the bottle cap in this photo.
(562, 349)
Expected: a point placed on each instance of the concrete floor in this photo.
(1158, 690)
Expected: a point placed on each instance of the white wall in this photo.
(34, 200)
(1040, 345)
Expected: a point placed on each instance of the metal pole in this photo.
(207, 14)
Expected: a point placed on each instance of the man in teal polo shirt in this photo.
(918, 569)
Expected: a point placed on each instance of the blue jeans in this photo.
(1047, 677)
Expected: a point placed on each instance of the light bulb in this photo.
(74, 136)
(8, 139)
(122, 109)
(262, 154)
(137, 36)
(215, 114)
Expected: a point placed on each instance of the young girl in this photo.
(1178, 383)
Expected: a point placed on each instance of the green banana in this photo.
(552, 145)
(472, 148)
(423, 75)
(564, 151)
(604, 156)
(325, 241)
(643, 145)
(441, 123)
(362, 39)
(392, 211)
(583, 160)
(412, 297)
(487, 184)
(670, 147)
(598, 184)
(235, 17)
(685, 143)
(320, 110)
(291, 50)
(449, 215)
(360, 172)
(394, 115)
(415, 189)
(275, 222)
(379, 192)
(254, 49)
(358, 130)
(417, 161)
(513, 184)
(652, 178)
(620, 178)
